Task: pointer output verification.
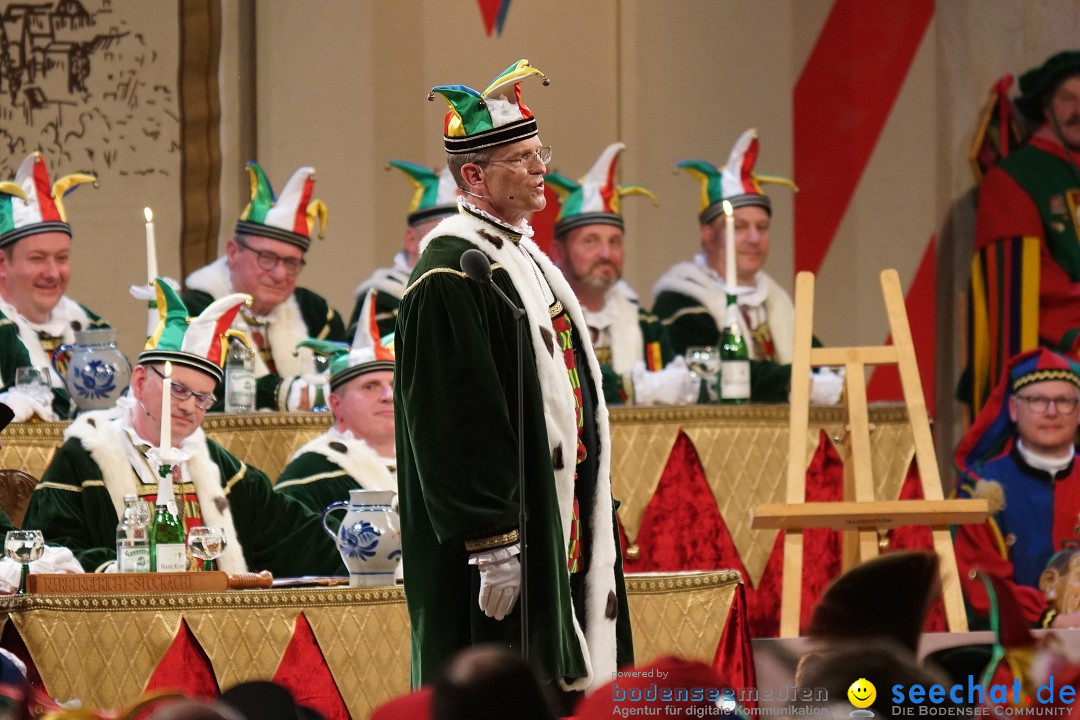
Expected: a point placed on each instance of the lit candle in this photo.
(151, 250)
(729, 248)
(165, 442)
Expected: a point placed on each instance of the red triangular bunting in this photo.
(682, 529)
(185, 668)
(304, 673)
(918, 538)
(489, 11)
(734, 659)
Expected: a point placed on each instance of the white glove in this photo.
(826, 385)
(302, 394)
(26, 407)
(674, 385)
(500, 580)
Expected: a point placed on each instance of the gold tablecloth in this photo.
(103, 649)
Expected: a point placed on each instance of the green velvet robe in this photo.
(76, 502)
(455, 405)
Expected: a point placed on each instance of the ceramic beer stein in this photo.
(93, 368)
(369, 538)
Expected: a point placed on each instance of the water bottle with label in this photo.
(239, 378)
(734, 358)
(133, 537)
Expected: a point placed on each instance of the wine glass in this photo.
(704, 363)
(24, 546)
(207, 544)
(34, 383)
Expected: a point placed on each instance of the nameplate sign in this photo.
(126, 583)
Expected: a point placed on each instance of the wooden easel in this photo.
(863, 517)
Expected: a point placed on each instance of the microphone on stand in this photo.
(477, 266)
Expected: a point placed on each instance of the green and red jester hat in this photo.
(289, 217)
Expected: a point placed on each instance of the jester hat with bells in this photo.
(200, 342)
(435, 196)
(290, 217)
(595, 198)
(369, 352)
(31, 205)
(991, 434)
(497, 116)
(736, 182)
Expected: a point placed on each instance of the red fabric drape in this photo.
(734, 659)
(303, 671)
(918, 538)
(185, 668)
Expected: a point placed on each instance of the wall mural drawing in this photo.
(84, 83)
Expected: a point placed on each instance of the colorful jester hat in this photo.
(992, 432)
(595, 198)
(436, 195)
(290, 217)
(369, 354)
(199, 342)
(736, 182)
(477, 121)
(39, 208)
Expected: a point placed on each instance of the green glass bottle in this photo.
(734, 358)
(167, 551)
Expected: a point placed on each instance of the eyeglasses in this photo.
(1041, 403)
(268, 260)
(543, 154)
(180, 393)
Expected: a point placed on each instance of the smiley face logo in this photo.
(862, 693)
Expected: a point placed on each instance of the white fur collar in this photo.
(359, 461)
(285, 323)
(598, 647)
(391, 281)
(58, 324)
(619, 317)
(695, 281)
(102, 435)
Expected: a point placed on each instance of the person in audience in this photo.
(631, 345)
(263, 259)
(455, 393)
(435, 198)
(691, 297)
(35, 267)
(108, 454)
(488, 682)
(358, 450)
(1019, 455)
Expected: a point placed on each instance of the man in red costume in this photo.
(1027, 274)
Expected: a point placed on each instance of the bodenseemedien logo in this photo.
(862, 694)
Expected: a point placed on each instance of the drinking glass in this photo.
(704, 363)
(315, 372)
(24, 546)
(207, 544)
(34, 382)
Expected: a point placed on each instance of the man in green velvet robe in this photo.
(36, 314)
(111, 453)
(632, 345)
(358, 451)
(457, 437)
(264, 259)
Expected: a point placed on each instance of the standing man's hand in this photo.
(500, 581)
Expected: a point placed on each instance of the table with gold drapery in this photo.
(344, 651)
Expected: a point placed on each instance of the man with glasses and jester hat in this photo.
(455, 392)
(1020, 455)
(108, 454)
(263, 259)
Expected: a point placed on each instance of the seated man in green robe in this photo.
(108, 454)
(358, 451)
(632, 345)
(263, 259)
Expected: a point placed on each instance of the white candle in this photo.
(165, 441)
(729, 248)
(151, 249)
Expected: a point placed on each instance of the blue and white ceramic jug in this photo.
(369, 538)
(94, 369)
